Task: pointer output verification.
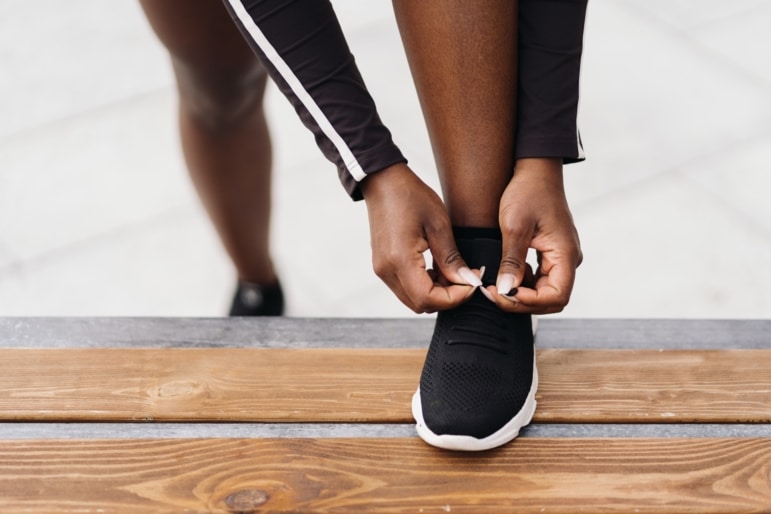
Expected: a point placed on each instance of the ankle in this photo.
(263, 275)
(476, 232)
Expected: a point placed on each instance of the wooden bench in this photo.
(312, 415)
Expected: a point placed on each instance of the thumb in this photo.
(511, 272)
(448, 259)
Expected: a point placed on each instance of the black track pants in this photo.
(302, 46)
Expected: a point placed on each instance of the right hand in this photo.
(406, 218)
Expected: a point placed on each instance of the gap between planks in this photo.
(155, 430)
(415, 332)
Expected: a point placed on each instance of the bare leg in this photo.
(224, 134)
(463, 58)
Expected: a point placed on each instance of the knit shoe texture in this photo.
(477, 388)
(254, 300)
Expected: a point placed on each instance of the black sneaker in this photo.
(477, 389)
(254, 300)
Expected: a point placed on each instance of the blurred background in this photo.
(97, 215)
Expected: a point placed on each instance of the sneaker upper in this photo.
(479, 367)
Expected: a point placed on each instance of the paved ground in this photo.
(97, 216)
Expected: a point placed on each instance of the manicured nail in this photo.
(511, 292)
(487, 294)
(469, 276)
(505, 284)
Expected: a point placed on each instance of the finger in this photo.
(440, 298)
(428, 295)
(393, 283)
(513, 267)
(447, 257)
(512, 303)
(546, 293)
(421, 289)
(552, 289)
(438, 277)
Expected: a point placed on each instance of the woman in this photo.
(498, 84)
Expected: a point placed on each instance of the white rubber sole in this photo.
(469, 443)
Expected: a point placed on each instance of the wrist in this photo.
(386, 181)
(545, 171)
(540, 166)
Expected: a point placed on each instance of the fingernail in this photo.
(505, 283)
(511, 292)
(469, 276)
(482, 273)
(487, 294)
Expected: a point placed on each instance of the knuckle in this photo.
(381, 268)
(511, 224)
(384, 263)
(452, 257)
(510, 262)
(438, 225)
(422, 306)
(561, 301)
(509, 227)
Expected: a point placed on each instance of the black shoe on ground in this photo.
(254, 300)
(477, 388)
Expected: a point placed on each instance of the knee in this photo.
(220, 99)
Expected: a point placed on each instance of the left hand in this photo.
(534, 213)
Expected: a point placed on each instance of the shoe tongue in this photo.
(478, 252)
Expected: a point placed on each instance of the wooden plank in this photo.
(233, 384)
(646, 386)
(385, 476)
(367, 385)
(368, 333)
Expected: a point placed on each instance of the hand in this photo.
(534, 213)
(406, 218)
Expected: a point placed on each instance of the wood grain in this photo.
(368, 385)
(650, 386)
(385, 476)
(232, 384)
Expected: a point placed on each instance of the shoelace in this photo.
(479, 323)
